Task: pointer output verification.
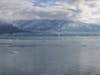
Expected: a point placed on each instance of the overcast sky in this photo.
(79, 10)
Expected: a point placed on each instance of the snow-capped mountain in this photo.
(57, 26)
(48, 27)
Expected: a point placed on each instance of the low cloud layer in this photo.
(79, 10)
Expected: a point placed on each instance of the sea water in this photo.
(50, 55)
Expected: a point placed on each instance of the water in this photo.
(65, 55)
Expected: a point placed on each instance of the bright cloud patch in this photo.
(96, 13)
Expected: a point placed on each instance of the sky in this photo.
(79, 10)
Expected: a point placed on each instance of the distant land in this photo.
(49, 27)
(9, 28)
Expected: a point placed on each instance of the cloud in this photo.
(87, 8)
(16, 9)
(81, 10)
(23, 9)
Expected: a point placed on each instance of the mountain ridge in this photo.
(62, 27)
(57, 26)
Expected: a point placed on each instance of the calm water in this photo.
(50, 55)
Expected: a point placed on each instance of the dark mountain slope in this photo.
(9, 28)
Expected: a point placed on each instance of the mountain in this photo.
(48, 27)
(57, 26)
(9, 28)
